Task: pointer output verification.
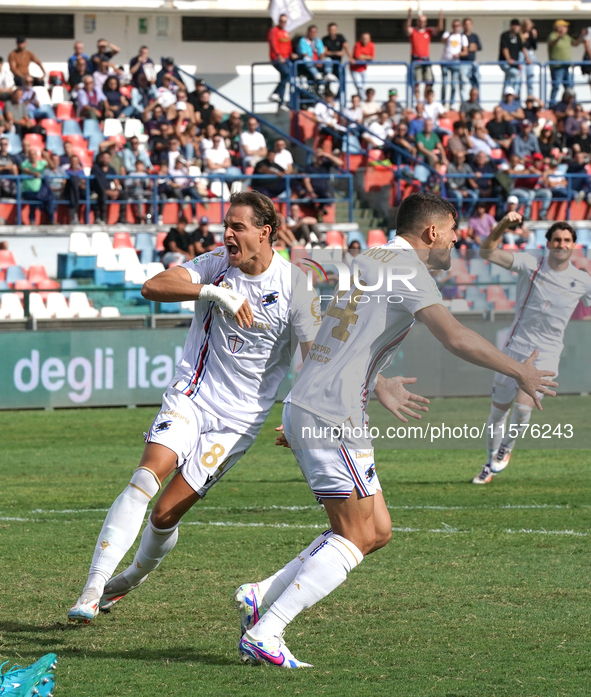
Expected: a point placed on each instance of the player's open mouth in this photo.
(232, 249)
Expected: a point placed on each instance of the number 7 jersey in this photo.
(362, 330)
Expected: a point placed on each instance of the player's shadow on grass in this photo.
(182, 654)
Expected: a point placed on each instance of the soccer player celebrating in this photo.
(548, 290)
(325, 412)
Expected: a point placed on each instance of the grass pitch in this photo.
(483, 591)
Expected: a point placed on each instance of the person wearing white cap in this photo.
(516, 233)
(511, 107)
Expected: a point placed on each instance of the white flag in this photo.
(296, 11)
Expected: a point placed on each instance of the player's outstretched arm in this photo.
(392, 394)
(488, 249)
(473, 348)
(176, 285)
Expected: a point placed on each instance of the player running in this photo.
(548, 290)
(238, 351)
(360, 334)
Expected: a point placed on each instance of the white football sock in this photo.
(520, 417)
(121, 527)
(494, 430)
(154, 546)
(271, 588)
(324, 570)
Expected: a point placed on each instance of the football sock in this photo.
(154, 546)
(324, 570)
(520, 417)
(121, 527)
(494, 430)
(271, 588)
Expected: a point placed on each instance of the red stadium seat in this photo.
(446, 123)
(35, 140)
(59, 75)
(126, 91)
(160, 237)
(453, 116)
(23, 285)
(76, 140)
(53, 128)
(65, 111)
(122, 239)
(6, 258)
(334, 239)
(511, 247)
(37, 273)
(375, 238)
(377, 177)
(303, 126)
(48, 285)
(84, 155)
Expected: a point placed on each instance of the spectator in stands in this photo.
(417, 125)
(460, 141)
(68, 152)
(154, 123)
(364, 52)
(403, 141)
(560, 45)
(190, 139)
(527, 188)
(325, 116)
(550, 142)
(285, 237)
(280, 57)
(29, 98)
(573, 123)
(481, 225)
(15, 113)
(273, 185)
(54, 174)
(455, 45)
(78, 53)
(525, 142)
(207, 139)
(204, 109)
(379, 133)
(253, 146)
(35, 188)
(231, 129)
(461, 188)
(471, 105)
(511, 107)
(500, 129)
(75, 187)
(581, 183)
(143, 98)
(555, 180)
(167, 91)
(369, 106)
(181, 110)
(77, 74)
(105, 51)
(393, 103)
(283, 156)
(532, 107)
(354, 112)
(137, 188)
(336, 46)
(115, 149)
(481, 141)
(142, 64)
(582, 141)
(6, 80)
(420, 47)
(304, 228)
(311, 50)
(8, 166)
(430, 146)
(117, 103)
(169, 68)
(318, 187)
(484, 172)
(178, 245)
(105, 188)
(566, 106)
(91, 101)
(516, 233)
(134, 154)
(217, 160)
(203, 239)
(433, 110)
(529, 38)
(469, 73)
(102, 74)
(19, 61)
(511, 54)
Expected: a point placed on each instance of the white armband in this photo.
(229, 300)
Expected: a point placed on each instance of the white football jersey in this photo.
(546, 299)
(362, 331)
(235, 372)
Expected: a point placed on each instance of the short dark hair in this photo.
(332, 24)
(312, 26)
(263, 210)
(183, 219)
(418, 211)
(561, 226)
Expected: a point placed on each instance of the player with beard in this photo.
(326, 411)
(548, 290)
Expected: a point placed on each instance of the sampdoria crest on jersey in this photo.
(235, 343)
(162, 426)
(270, 297)
(225, 284)
(370, 472)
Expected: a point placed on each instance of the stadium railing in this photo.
(553, 78)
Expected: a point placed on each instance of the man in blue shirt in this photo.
(78, 53)
(311, 50)
(511, 107)
(469, 73)
(525, 143)
(417, 125)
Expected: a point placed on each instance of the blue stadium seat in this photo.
(4, 286)
(357, 236)
(56, 145)
(391, 234)
(15, 273)
(71, 128)
(14, 143)
(540, 237)
(68, 285)
(145, 246)
(94, 141)
(584, 237)
(91, 127)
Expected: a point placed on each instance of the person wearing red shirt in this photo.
(420, 47)
(363, 53)
(280, 56)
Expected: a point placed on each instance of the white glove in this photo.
(229, 300)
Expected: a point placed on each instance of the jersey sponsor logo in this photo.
(175, 415)
(270, 297)
(235, 343)
(219, 254)
(162, 426)
(315, 310)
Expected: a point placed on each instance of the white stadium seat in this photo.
(112, 127)
(188, 305)
(57, 306)
(37, 308)
(80, 245)
(459, 305)
(42, 95)
(59, 95)
(109, 311)
(153, 268)
(11, 307)
(135, 275)
(127, 257)
(80, 306)
(107, 259)
(100, 241)
(133, 127)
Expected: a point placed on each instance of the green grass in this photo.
(483, 591)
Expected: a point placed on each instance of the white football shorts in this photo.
(336, 469)
(505, 389)
(205, 448)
